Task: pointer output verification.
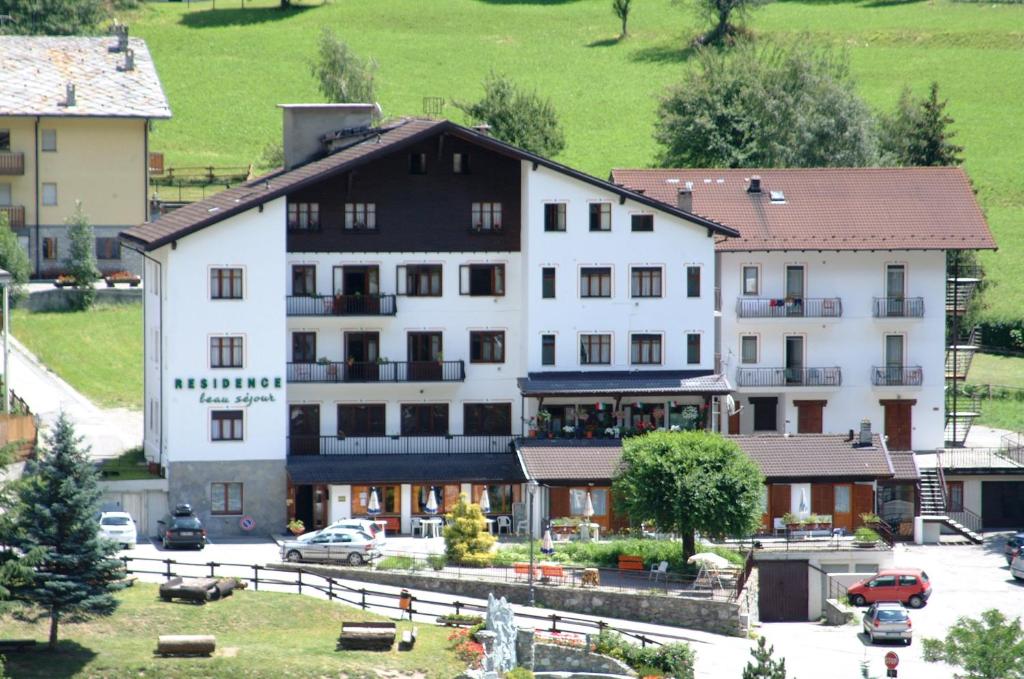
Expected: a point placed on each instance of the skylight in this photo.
(777, 197)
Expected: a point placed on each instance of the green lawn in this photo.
(98, 352)
(259, 634)
(1002, 414)
(225, 70)
(1006, 371)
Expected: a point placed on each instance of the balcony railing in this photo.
(899, 307)
(342, 305)
(15, 215)
(897, 376)
(789, 377)
(12, 162)
(760, 307)
(397, 445)
(391, 371)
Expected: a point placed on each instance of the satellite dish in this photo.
(730, 405)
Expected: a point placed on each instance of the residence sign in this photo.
(258, 389)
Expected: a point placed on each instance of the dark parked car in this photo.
(1013, 543)
(181, 528)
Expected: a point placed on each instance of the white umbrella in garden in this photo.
(373, 506)
(803, 500)
(588, 508)
(547, 545)
(431, 505)
(485, 502)
(709, 559)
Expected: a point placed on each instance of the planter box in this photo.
(629, 562)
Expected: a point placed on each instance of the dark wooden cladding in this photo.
(429, 212)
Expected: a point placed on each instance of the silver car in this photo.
(888, 620)
(364, 525)
(352, 547)
(1017, 566)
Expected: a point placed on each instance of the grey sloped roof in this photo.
(571, 460)
(465, 467)
(34, 73)
(810, 456)
(625, 382)
(904, 465)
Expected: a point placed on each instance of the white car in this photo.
(339, 545)
(364, 525)
(1017, 566)
(118, 527)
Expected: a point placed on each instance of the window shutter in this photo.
(463, 279)
(401, 279)
(499, 279)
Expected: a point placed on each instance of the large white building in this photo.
(388, 311)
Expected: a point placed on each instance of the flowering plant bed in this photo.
(64, 281)
(460, 620)
(122, 277)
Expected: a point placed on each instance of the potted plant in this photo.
(569, 431)
(865, 537)
(791, 520)
(544, 421)
(869, 518)
(296, 527)
(612, 432)
(813, 521)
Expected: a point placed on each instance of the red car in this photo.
(909, 586)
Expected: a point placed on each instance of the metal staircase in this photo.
(960, 353)
(959, 421)
(963, 523)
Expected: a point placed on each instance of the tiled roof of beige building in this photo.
(35, 72)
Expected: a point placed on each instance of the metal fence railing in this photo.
(783, 377)
(398, 445)
(378, 371)
(810, 307)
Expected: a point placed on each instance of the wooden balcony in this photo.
(807, 307)
(398, 445)
(12, 163)
(897, 376)
(387, 372)
(899, 307)
(789, 377)
(15, 215)
(342, 305)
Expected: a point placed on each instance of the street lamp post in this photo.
(5, 281)
(531, 490)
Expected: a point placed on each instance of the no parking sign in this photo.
(247, 522)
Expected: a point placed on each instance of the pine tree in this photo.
(918, 134)
(81, 261)
(466, 540)
(766, 667)
(54, 516)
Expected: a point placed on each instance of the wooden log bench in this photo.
(366, 636)
(408, 639)
(7, 645)
(198, 590)
(186, 645)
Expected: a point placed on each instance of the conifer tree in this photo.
(466, 540)
(918, 133)
(53, 516)
(81, 261)
(764, 666)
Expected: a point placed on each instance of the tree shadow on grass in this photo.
(67, 661)
(237, 16)
(891, 3)
(528, 2)
(606, 42)
(665, 54)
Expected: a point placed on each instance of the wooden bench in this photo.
(523, 570)
(186, 645)
(16, 644)
(408, 639)
(552, 572)
(366, 636)
(198, 590)
(629, 562)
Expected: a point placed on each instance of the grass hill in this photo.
(225, 69)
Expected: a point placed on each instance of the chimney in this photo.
(129, 61)
(122, 37)
(755, 184)
(684, 199)
(483, 128)
(306, 125)
(69, 98)
(865, 432)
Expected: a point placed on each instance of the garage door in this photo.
(782, 591)
(1002, 504)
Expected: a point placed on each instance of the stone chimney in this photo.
(69, 95)
(483, 128)
(305, 126)
(865, 432)
(755, 184)
(684, 199)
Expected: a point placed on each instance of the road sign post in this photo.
(891, 661)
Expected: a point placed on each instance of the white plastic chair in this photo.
(417, 526)
(506, 523)
(522, 527)
(659, 570)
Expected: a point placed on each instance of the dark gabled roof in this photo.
(889, 208)
(463, 467)
(191, 218)
(554, 460)
(623, 382)
(816, 456)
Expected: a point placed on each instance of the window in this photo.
(361, 420)
(642, 222)
(226, 498)
(895, 281)
(50, 249)
(460, 163)
(108, 248)
(500, 497)
(421, 280)
(486, 217)
(225, 283)
(955, 493)
(554, 217)
(226, 425)
(487, 346)
(600, 216)
(49, 193)
(424, 346)
(487, 419)
(5, 140)
(693, 348)
(748, 349)
(547, 276)
(388, 497)
(225, 352)
(883, 581)
(303, 280)
(596, 282)
(49, 140)
(304, 216)
(598, 501)
(750, 280)
(547, 349)
(5, 194)
(645, 349)
(909, 581)
(360, 216)
(417, 163)
(425, 419)
(693, 281)
(646, 281)
(595, 349)
(486, 280)
(303, 347)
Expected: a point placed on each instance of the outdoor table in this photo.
(490, 525)
(432, 526)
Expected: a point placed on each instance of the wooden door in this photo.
(809, 416)
(558, 502)
(823, 500)
(778, 501)
(734, 423)
(898, 423)
(863, 502)
(782, 591)
(842, 506)
(321, 505)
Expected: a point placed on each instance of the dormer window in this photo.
(486, 217)
(303, 216)
(360, 216)
(460, 163)
(417, 163)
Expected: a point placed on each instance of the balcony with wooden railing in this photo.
(385, 372)
(789, 377)
(15, 215)
(341, 305)
(897, 376)
(12, 163)
(799, 307)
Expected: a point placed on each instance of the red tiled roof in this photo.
(812, 456)
(592, 460)
(906, 208)
(904, 465)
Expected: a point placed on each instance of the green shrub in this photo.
(437, 561)
(606, 554)
(519, 673)
(865, 534)
(674, 660)
(399, 563)
(466, 540)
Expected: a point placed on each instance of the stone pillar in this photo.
(524, 648)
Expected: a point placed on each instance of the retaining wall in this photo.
(59, 299)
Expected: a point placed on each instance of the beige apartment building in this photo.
(75, 115)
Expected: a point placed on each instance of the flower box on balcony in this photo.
(128, 277)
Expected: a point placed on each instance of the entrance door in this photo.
(898, 423)
(304, 429)
(765, 409)
(809, 416)
(778, 502)
(842, 507)
(425, 355)
(362, 350)
(360, 287)
(863, 502)
(310, 505)
(794, 359)
(782, 591)
(1001, 505)
(794, 290)
(895, 289)
(894, 359)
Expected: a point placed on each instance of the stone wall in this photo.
(59, 299)
(555, 658)
(836, 613)
(263, 493)
(720, 617)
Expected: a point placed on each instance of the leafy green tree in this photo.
(53, 515)
(725, 15)
(524, 119)
(52, 17)
(766, 106)
(81, 261)
(989, 647)
(918, 133)
(467, 541)
(13, 259)
(621, 9)
(343, 77)
(689, 481)
(764, 666)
